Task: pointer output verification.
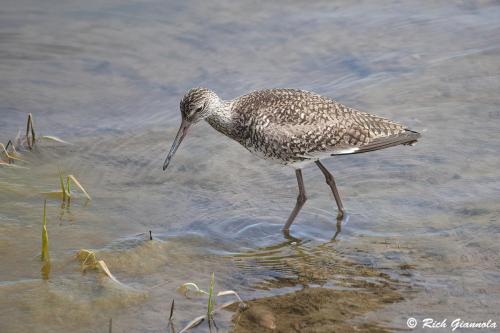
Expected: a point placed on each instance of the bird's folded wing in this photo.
(407, 137)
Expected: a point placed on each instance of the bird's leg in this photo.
(301, 199)
(331, 182)
(339, 228)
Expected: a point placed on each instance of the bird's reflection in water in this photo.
(324, 286)
(296, 261)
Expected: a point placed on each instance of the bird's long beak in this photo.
(183, 130)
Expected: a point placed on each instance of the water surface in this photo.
(421, 239)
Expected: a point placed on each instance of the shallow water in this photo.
(421, 238)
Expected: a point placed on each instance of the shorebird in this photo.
(291, 127)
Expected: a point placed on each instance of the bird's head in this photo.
(196, 104)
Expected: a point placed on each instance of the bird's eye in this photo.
(198, 109)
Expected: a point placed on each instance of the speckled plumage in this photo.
(292, 126)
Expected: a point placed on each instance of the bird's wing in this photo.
(313, 126)
(368, 132)
(407, 137)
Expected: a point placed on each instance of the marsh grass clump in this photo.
(9, 152)
(212, 309)
(65, 188)
(88, 260)
(29, 140)
(7, 156)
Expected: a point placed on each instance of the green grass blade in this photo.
(211, 299)
(63, 189)
(68, 186)
(45, 236)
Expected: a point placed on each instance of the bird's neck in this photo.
(221, 118)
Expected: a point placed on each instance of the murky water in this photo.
(421, 239)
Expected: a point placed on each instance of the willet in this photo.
(291, 127)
